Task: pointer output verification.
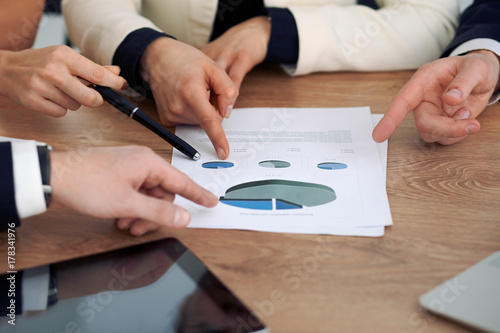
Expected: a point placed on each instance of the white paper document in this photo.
(293, 170)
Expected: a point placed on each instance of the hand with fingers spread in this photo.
(445, 96)
(241, 48)
(189, 88)
(48, 79)
(132, 184)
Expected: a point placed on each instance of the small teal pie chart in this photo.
(274, 164)
(332, 166)
(217, 165)
(277, 194)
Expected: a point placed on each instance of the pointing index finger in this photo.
(174, 181)
(210, 120)
(408, 98)
(213, 127)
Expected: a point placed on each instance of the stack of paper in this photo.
(314, 171)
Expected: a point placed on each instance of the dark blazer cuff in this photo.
(486, 32)
(10, 298)
(128, 54)
(8, 208)
(480, 20)
(283, 45)
(370, 3)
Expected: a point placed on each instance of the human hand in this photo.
(132, 184)
(47, 79)
(189, 88)
(445, 96)
(240, 48)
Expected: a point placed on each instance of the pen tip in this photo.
(196, 156)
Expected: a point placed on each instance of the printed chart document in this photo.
(295, 170)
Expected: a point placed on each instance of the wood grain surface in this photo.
(445, 203)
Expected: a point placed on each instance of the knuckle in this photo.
(97, 75)
(59, 53)
(164, 119)
(89, 99)
(58, 113)
(421, 126)
(208, 121)
(232, 92)
(127, 204)
(62, 49)
(426, 138)
(30, 99)
(35, 84)
(187, 92)
(225, 54)
(426, 68)
(176, 106)
(244, 58)
(73, 105)
(400, 99)
(182, 185)
(48, 70)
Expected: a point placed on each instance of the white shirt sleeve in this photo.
(480, 44)
(400, 35)
(27, 178)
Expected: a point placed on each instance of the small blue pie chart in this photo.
(274, 164)
(217, 165)
(332, 166)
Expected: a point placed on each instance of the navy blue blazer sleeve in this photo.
(480, 20)
(8, 210)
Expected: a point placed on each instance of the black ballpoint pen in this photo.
(122, 104)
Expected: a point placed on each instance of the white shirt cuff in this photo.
(477, 44)
(27, 179)
(35, 288)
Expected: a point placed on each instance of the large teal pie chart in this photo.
(277, 194)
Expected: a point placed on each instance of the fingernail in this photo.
(466, 115)
(181, 217)
(471, 129)
(229, 110)
(454, 93)
(125, 85)
(221, 153)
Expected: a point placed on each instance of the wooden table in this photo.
(445, 203)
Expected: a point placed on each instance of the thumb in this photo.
(238, 71)
(461, 87)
